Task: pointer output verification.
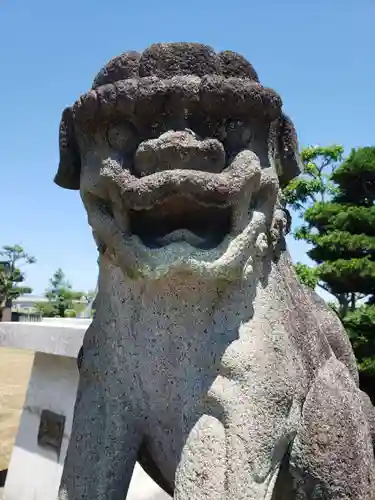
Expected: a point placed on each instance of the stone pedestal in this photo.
(44, 431)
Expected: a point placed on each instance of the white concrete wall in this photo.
(35, 472)
(67, 321)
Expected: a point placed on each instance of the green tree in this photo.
(352, 275)
(60, 296)
(336, 201)
(46, 309)
(308, 275)
(303, 193)
(360, 325)
(342, 232)
(70, 313)
(13, 258)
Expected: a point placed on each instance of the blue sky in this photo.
(318, 55)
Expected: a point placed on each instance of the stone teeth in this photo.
(180, 235)
(241, 213)
(122, 220)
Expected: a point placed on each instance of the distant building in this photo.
(27, 303)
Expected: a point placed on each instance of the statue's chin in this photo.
(230, 260)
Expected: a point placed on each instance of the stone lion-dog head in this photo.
(179, 154)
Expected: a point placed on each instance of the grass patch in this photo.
(15, 368)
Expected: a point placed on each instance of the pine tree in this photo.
(342, 232)
(337, 204)
(313, 188)
(60, 296)
(12, 257)
(354, 272)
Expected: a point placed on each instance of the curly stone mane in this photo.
(185, 79)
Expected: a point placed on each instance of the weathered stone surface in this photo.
(206, 360)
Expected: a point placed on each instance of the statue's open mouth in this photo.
(181, 218)
(179, 214)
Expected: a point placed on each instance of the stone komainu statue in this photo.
(207, 360)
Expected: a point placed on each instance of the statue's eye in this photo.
(156, 129)
(217, 130)
(208, 128)
(236, 127)
(239, 134)
(122, 136)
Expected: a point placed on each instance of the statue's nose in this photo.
(179, 150)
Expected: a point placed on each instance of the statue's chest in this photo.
(251, 398)
(248, 366)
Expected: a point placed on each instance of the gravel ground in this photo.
(15, 367)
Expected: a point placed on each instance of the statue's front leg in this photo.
(217, 462)
(201, 472)
(104, 442)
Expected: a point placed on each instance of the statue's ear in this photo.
(69, 171)
(289, 165)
